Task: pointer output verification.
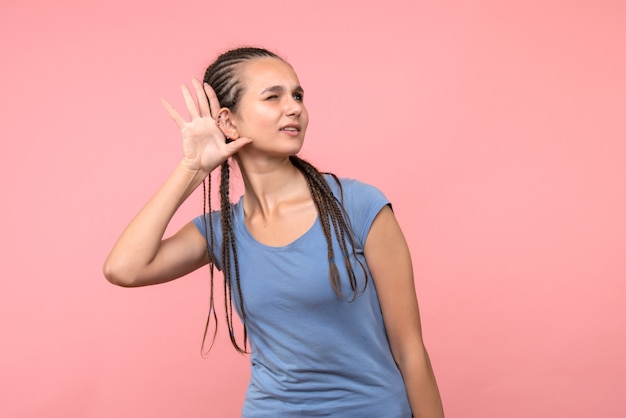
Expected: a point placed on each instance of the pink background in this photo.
(497, 128)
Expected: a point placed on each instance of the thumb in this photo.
(236, 145)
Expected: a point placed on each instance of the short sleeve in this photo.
(362, 203)
(202, 224)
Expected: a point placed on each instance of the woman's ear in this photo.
(227, 124)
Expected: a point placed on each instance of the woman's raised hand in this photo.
(204, 144)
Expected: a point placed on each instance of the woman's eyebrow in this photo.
(280, 89)
(273, 89)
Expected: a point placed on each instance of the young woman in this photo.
(317, 267)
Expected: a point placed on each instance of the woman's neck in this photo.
(271, 183)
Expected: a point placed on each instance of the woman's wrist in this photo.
(194, 173)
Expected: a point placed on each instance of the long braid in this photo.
(210, 243)
(332, 212)
(228, 244)
(223, 79)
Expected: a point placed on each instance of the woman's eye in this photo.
(272, 97)
(298, 97)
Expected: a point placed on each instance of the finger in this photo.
(173, 113)
(213, 102)
(191, 104)
(203, 103)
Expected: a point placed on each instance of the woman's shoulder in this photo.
(213, 217)
(348, 187)
(361, 202)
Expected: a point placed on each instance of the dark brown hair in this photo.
(223, 76)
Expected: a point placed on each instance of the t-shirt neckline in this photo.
(241, 223)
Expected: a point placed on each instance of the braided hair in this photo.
(223, 78)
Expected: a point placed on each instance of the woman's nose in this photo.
(294, 107)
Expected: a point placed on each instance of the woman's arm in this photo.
(388, 258)
(141, 256)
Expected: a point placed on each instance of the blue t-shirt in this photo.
(314, 354)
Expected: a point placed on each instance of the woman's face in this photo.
(271, 110)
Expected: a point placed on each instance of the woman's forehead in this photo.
(262, 73)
